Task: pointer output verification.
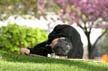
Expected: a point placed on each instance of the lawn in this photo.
(15, 62)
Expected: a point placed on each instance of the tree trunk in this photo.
(90, 48)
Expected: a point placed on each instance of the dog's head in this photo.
(62, 47)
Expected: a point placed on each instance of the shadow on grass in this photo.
(31, 59)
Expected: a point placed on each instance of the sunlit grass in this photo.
(15, 62)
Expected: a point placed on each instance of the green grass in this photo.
(15, 62)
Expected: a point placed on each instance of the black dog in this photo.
(71, 46)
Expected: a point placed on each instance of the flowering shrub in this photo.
(13, 37)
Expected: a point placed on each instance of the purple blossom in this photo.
(60, 1)
(93, 9)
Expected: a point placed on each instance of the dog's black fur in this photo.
(67, 31)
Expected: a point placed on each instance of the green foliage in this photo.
(17, 7)
(13, 37)
(26, 7)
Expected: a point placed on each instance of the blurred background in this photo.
(25, 23)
